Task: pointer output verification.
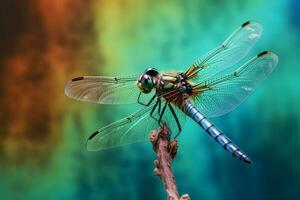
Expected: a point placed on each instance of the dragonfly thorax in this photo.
(173, 83)
(186, 87)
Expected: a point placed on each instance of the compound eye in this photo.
(151, 71)
(147, 83)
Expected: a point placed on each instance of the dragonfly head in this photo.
(146, 81)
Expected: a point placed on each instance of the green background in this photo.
(45, 43)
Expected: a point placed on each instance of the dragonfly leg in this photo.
(153, 109)
(159, 106)
(147, 104)
(162, 113)
(176, 119)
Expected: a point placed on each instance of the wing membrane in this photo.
(103, 90)
(230, 52)
(222, 95)
(132, 129)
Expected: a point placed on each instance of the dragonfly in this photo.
(210, 87)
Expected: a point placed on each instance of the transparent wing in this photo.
(230, 52)
(103, 90)
(132, 129)
(221, 95)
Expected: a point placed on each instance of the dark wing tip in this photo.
(246, 23)
(93, 135)
(263, 53)
(77, 78)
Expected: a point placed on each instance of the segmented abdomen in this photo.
(214, 132)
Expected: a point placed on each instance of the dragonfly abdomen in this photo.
(215, 133)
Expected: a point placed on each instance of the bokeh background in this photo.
(44, 43)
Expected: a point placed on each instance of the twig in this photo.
(166, 151)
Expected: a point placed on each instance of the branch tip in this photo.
(166, 151)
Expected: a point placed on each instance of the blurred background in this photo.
(44, 43)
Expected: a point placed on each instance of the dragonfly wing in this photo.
(230, 52)
(103, 90)
(132, 129)
(221, 95)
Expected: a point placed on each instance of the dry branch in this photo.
(165, 151)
